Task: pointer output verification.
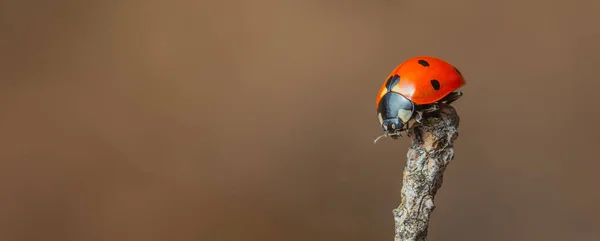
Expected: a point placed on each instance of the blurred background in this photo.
(254, 120)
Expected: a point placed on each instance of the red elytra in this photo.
(423, 80)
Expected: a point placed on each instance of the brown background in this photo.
(254, 120)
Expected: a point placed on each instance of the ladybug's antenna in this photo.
(379, 137)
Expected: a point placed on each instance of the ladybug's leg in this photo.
(422, 110)
(417, 134)
(418, 116)
(419, 113)
(426, 111)
(411, 131)
(452, 97)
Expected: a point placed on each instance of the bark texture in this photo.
(431, 151)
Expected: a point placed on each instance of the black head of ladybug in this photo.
(394, 111)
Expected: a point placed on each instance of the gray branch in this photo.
(431, 151)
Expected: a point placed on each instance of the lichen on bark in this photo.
(431, 151)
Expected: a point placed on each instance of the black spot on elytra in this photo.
(391, 82)
(424, 63)
(457, 71)
(435, 84)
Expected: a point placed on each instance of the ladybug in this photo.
(415, 84)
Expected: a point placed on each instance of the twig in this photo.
(431, 151)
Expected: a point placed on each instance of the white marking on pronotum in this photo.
(404, 115)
